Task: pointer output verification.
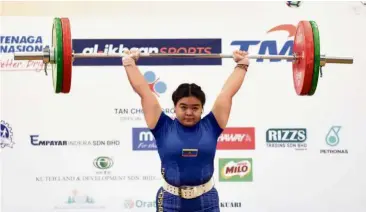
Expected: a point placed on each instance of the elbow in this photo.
(138, 89)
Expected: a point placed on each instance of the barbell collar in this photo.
(46, 55)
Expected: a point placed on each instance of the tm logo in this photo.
(270, 47)
(156, 86)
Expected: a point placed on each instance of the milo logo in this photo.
(235, 170)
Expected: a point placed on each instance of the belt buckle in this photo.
(192, 189)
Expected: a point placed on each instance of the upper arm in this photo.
(161, 127)
(151, 107)
(222, 108)
(212, 123)
(156, 120)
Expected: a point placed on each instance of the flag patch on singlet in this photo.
(189, 152)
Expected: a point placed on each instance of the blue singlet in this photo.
(187, 158)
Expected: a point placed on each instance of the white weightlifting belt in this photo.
(189, 192)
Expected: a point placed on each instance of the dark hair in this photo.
(187, 90)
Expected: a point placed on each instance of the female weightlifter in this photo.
(187, 144)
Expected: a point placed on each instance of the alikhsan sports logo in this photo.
(6, 135)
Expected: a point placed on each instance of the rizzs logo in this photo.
(287, 137)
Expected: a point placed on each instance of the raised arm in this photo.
(222, 105)
(150, 104)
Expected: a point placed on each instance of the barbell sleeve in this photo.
(29, 56)
(339, 60)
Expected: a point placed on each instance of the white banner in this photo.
(90, 149)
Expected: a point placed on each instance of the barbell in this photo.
(306, 58)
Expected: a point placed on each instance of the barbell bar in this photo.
(306, 59)
(46, 56)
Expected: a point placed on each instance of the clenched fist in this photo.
(130, 57)
(241, 57)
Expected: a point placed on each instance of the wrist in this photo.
(129, 65)
(242, 66)
(129, 62)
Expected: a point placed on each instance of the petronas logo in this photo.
(103, 162)
(332, 137)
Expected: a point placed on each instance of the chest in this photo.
(179, 145)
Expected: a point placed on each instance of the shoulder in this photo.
(209, 121)
(163, 123)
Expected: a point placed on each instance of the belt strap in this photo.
(189, 192)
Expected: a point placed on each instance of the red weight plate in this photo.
(303, 67)
(67, 53)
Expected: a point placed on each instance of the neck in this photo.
(188, 128)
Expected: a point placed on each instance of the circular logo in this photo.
(6, 135)
(5, 132)
(103, 162)
(129, 203)
(156, 86)
(332, 140)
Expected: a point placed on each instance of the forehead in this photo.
(191, 101)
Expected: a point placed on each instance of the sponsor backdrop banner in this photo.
(91, 150)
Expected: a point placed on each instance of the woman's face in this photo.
(188, 110)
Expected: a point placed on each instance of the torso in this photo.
(187, 153)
